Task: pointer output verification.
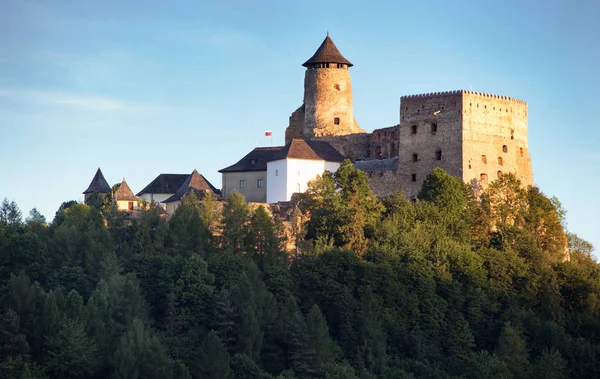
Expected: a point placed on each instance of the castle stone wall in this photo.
(430, 135)
(385, 183)
(352, 146)
(327, 100)
(384, 143)
(495, 138)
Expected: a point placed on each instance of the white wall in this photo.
(332, 166)
(276, 181)
(157, 197)
(171, 207)
(294, 175)
(123, 205)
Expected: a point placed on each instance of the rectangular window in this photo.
(433, 128)
(414, 177)
(276, 172)
(130, 205)
(414, 129)
(484, 159)
(415, 157)
(336, 120)
(242, 183)
(259, 183)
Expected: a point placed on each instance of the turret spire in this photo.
(327, 53)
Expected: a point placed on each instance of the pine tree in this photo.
(550, 365)
(213, 360)
(294, 337)
(319, 340)
(235, 219)
(372, 337)
(14, 349)
(223, 319)
(193, 291)
(140, 354)
(70, 354)
(512, 350)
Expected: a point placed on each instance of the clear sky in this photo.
(140, 88)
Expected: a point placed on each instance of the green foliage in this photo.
(344, 211)
(512, 350)
(14, 348)
(466, 282)
(70, 353)
(189, 233)
(213, 360)
(140, 354)
(236, 215)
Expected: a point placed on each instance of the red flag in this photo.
(268, 133)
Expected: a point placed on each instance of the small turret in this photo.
(327, 109)
(98, 185)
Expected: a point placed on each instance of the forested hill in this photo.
(464, 283)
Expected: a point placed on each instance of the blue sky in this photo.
(143, 88)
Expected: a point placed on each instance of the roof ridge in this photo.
(98, 184)
(327, 53)
(124, 192)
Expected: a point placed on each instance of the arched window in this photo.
(504, 149)
(500, 161)
(484, 159)
(499, 174)
(433, 128)
(483, 178)
(298, 187)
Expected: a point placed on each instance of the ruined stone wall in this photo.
(495, 138)
(430, 135)
(296, 125)
(328, 109)
(385, 183)
(352, 146)
(384, 143)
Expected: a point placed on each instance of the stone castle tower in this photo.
(327, 109)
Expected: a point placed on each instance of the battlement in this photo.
(462, 92)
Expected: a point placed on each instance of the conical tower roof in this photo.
(98, 184)
(194, 183)
(327, 53)
(124, 192)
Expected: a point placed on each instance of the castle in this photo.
(471, 135)
(475, 136)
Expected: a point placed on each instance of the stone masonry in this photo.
(472, 135)
(327, 108)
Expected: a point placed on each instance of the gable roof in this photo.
(164, 183)
(256, 160)
(327, 53)
(98, 184)
(124, 192)
(194, 183)
(313, 150)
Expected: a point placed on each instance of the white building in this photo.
(297, 163)
(273, 174)
(162, 187)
